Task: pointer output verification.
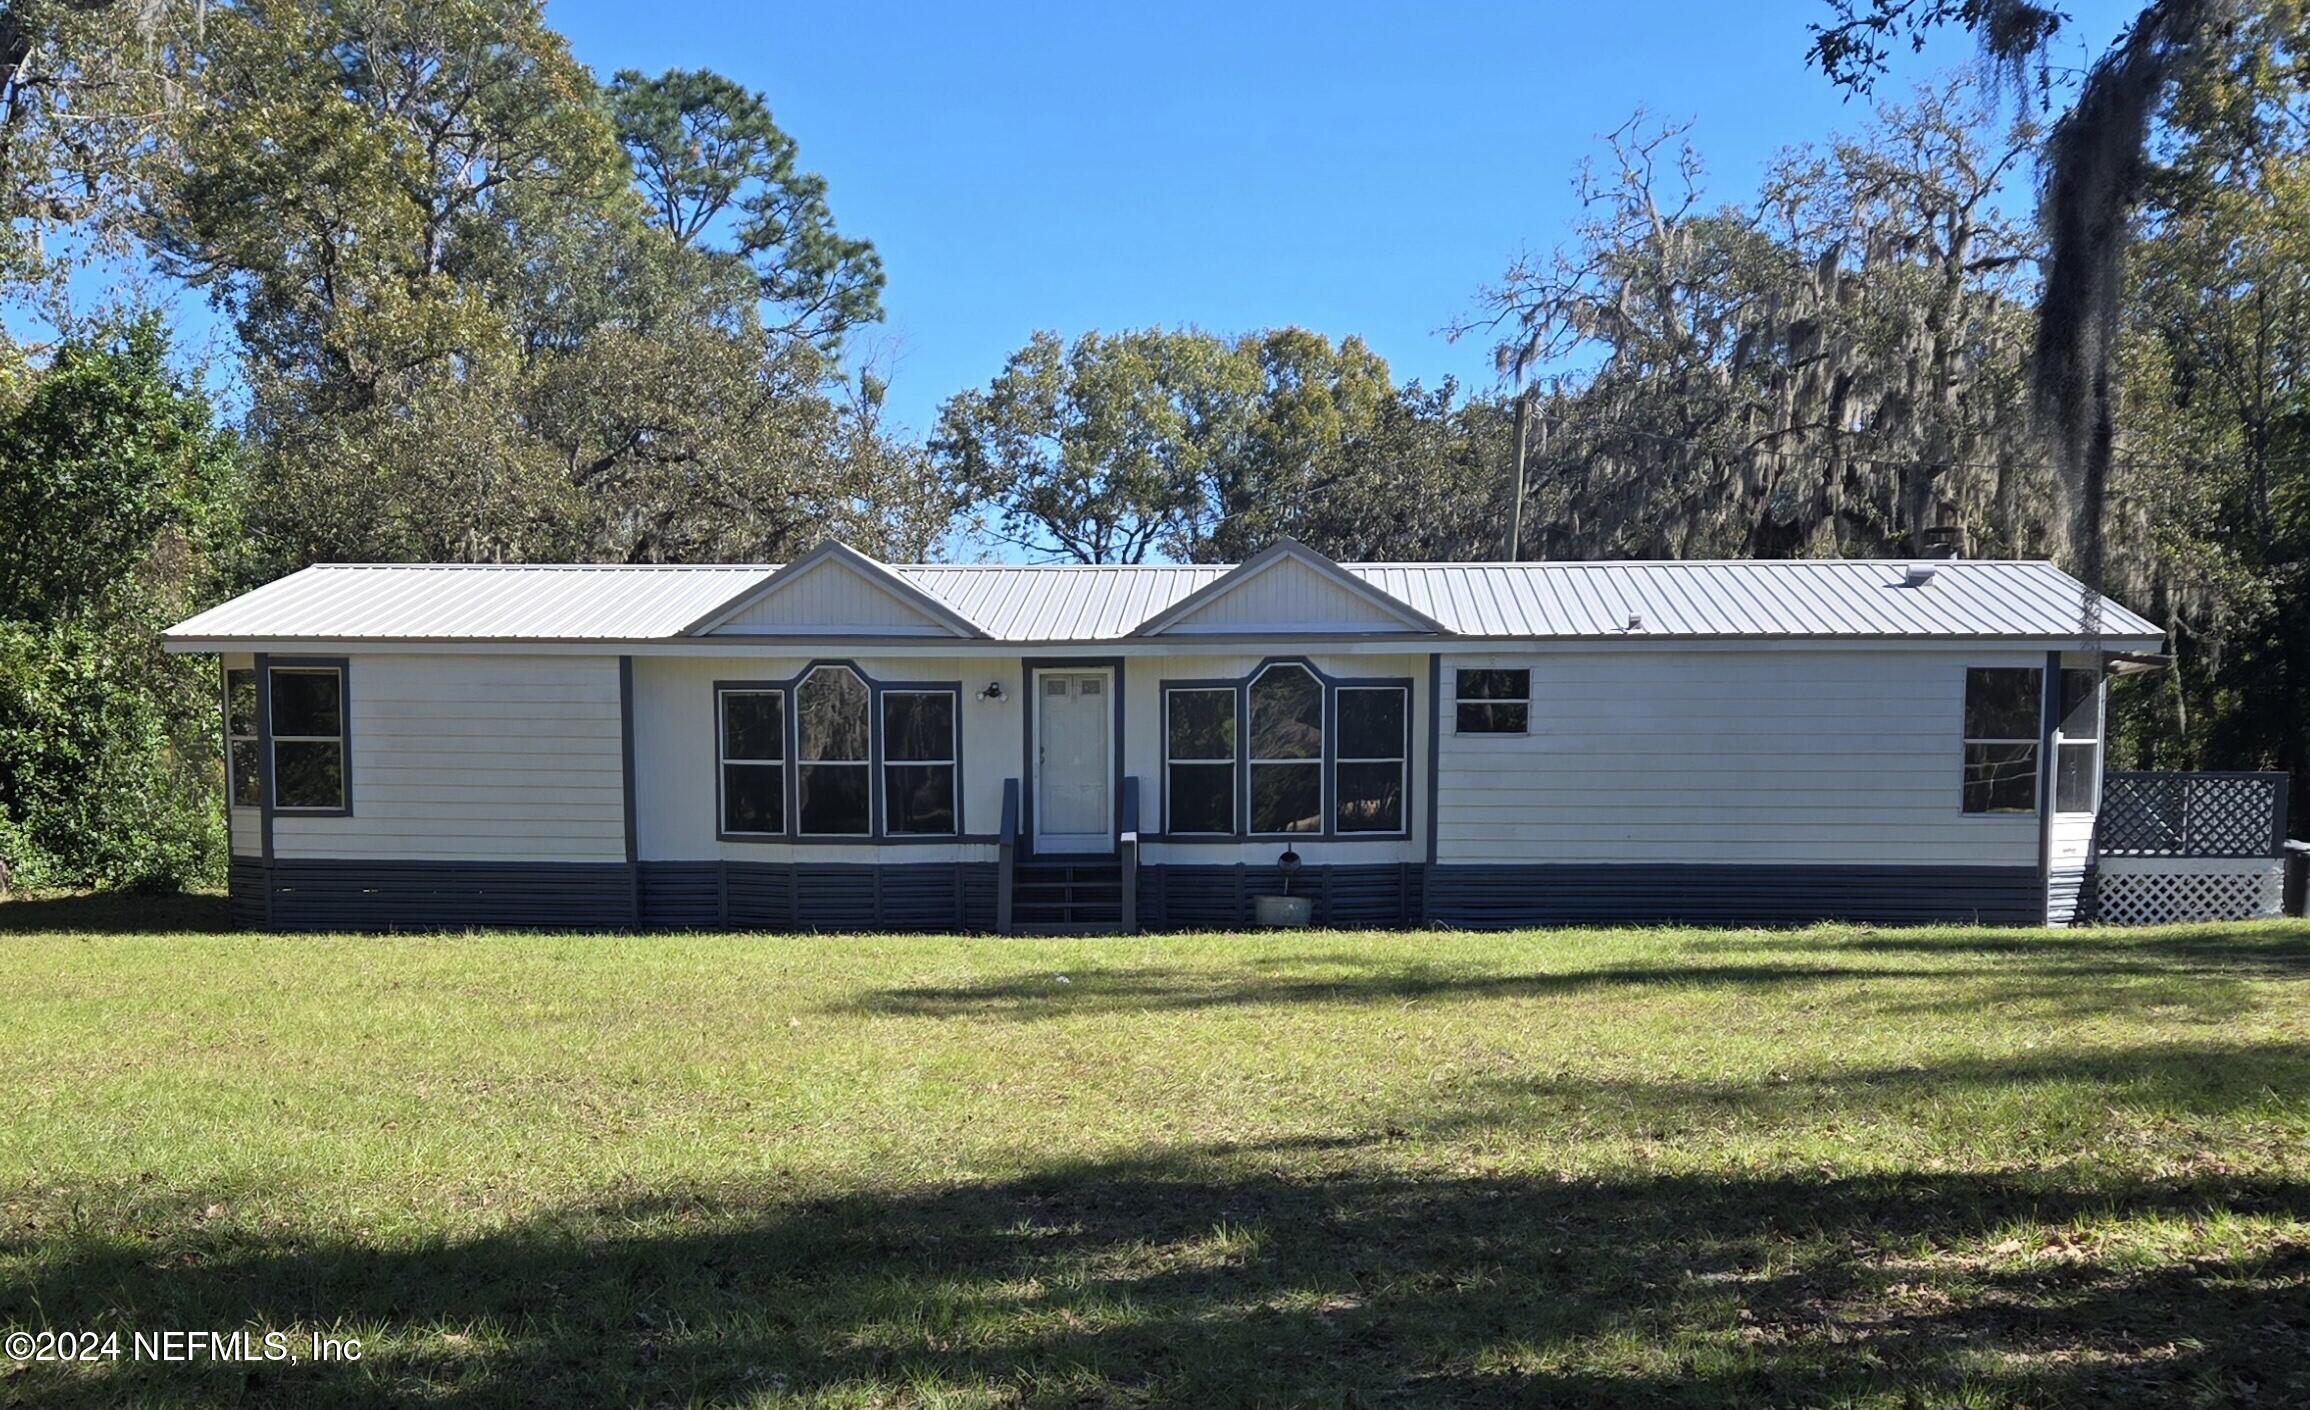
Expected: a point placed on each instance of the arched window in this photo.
(833, 783)
(1286, 751)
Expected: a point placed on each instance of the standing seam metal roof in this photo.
(1067, 603)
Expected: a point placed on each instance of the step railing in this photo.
(1127, 846)
(1007, 857)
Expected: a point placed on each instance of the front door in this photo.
(1074, 718)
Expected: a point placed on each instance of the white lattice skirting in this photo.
(2163, 890)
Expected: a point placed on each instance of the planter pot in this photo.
(1282, 910)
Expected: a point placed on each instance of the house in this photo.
(842, 743)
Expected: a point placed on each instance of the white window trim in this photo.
(1252, 763)
(344, 753)
(1402, 760)
(1234, 711)
(1458, 700)
(724, 762)
(951, 763)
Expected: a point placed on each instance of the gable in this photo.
(835, 591)
(1288, 589)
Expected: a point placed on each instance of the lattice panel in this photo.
(2190, 815)
(2179, 891)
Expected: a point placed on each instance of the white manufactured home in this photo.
(839, 743)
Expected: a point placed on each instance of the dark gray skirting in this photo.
(1667, 893)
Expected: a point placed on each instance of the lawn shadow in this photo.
(1213, 1277)
(1054, 994)
(117, 913)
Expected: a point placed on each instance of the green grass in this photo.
(1837, 1166)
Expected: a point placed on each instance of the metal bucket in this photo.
(1282, 910)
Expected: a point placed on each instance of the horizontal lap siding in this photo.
(1499, 896)
(1842, 758)
(468, 758)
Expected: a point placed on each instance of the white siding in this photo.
(675, 755)
(1288, 596)
(832, 598)
(476, 758)
(1143, 756)
(246, 828)
(1662, 756)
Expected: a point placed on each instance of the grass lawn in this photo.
(1836, 1166)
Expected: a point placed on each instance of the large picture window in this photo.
(832, 759)
(1199, 760)
(1374, 735)
(2076, 757)
(244, 776)
(1286, 756)
(1493, 702)
(804, 759)
(753, 762)
(308, 765)
(918, 762)
(2002, 719)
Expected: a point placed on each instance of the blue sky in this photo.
(1347, 168)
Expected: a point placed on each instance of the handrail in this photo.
(1127, 847)
(1006, 856)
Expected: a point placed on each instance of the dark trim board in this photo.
(1697, 894)
(818, 895)
(1190, 896)
(343, 894)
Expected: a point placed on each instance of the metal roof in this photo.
(1841, 598)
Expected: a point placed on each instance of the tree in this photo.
(1097, 451)
(2094, 170)
(712, 165)
(1835, 368)
(118, 498)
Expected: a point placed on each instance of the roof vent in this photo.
(1920, 575)
(1635, 622)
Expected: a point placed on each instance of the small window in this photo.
(833, 796)
(1494, 702)
(753, 762)
(1199, 761)
(2076, 757)
(2002, 705)
(243, 777)
(918, 762)
(308, 738)
(1286, 756)
(1369, 777)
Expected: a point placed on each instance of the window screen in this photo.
(308, 704)
(832, 793)
(918, 762)
(1493, 702)
(1369, 774)
(1199, 760)
(244, 777)
(2002, 705)
(753, 761)
(2077, 756)
(1286, 754)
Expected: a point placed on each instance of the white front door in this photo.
(1074, 717)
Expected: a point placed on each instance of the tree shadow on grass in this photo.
(117, 913)
(1219, 1277)
(2264, 950)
